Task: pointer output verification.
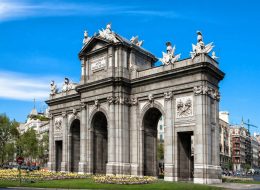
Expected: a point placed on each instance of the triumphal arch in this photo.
(107, 123)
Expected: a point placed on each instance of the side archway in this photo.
(150, 120)
(75, 145)
(100, 142)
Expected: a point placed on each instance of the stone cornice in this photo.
(116, 81)
(55, 101)
(203, 67)
(205, 90)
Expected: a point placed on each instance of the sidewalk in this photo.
(238, 186)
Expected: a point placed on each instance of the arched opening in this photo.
(99, 125)
(153, 143)
(75, 146)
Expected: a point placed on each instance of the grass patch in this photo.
(90, 184)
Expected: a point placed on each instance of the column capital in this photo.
(83, 106)
(64, 114)
(168, 96)
(206, 90)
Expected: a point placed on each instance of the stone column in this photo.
(205, 170)
(90, 150)
(122, 136)
(111, 138)
(64, 163)
(83, 140)
(51, 162)
(83, 71)
(134, 140)
(69, 151)
(168, 138)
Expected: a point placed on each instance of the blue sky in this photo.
(40, 40)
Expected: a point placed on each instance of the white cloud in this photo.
(14, 9)
(11, 9)
(24, 87)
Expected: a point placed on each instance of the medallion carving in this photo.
(184, 107)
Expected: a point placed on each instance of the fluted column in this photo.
(111, 137)
(168, 138)
(51, 162)
(134, 140)
(64, 163)
(83, 139)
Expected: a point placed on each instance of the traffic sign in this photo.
(20, 160)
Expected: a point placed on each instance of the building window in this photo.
(160, 127)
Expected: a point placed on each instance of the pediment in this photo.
(93, 45)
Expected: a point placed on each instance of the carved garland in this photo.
(205, 90)
(168, 96)
(121, 100)
(58, 124)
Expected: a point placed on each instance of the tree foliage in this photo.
(160, 151)
(8, 135)
(28, 143)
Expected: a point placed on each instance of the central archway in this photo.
(99, 125)
(75, 145)
(150, 123)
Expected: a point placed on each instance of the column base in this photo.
(207, 174)
(169, 172)
(64, 167)
(170, 178)
(51, 166)
(118, 168)
(206, 180)
(135, 170)
(82, 167)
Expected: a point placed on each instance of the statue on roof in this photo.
(67, 85)
(86, 38)
(169, 57)
(213, 56)
(134, 40)
(53, 88)
(108, 34)
(200, 47)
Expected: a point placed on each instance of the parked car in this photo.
(237, 173)
(31, 168)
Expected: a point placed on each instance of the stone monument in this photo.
(107, 123)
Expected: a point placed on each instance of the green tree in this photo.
(8, 134)
(160, 151)
(43, 148)
(28, 143)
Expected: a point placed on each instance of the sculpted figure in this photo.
(66, 85)
(134, 40)
(86, 38)
(213, 56)
(53, 88)
(108, 34)
(200, 47)
(169, 57)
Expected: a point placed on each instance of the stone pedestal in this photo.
(82, 167)
(51, 166)
(64, 166)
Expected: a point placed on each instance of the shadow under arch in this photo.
(151, 114)
(74, 145)
(99, 125)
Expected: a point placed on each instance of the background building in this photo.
(255, 152)
(224, 144)
(37, 121)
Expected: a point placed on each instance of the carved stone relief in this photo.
(205, 90)
(184, 107)
(58, 124)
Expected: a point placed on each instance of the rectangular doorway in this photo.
(58, 159)
(185, 156)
